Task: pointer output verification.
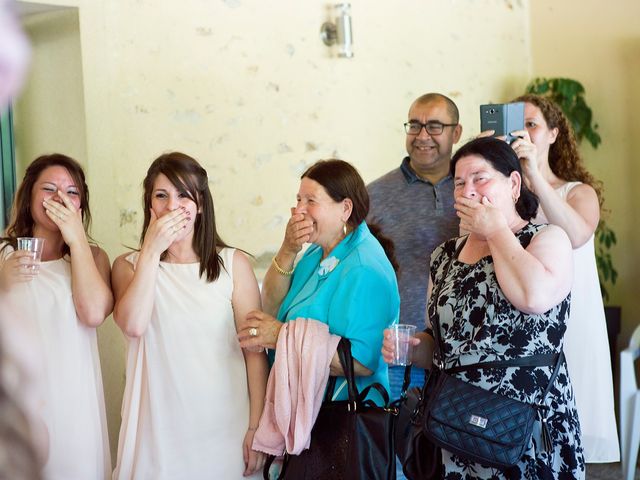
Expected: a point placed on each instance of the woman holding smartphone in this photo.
(571, 198)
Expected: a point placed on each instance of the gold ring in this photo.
(253, 332)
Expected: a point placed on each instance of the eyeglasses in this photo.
(432, 128)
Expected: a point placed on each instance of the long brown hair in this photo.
(564, 157)
(341, 180)
(190, 179)
(22, 223)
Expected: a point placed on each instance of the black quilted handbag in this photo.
(350, 440)
(485, 427)
(476, 424)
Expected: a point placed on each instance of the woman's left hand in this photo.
(67, 217)
(259, 330)
(253, 460)
(481, 217)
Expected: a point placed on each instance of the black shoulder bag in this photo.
(476, 424)
(351, 439)
(421, 459)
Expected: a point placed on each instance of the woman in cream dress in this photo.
(57, 304)
(193, 397)
(571, 198)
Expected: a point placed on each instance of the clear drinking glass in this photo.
(401, 335)
(34, 245)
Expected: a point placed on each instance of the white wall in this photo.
(248, 88)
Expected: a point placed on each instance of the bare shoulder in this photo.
(246, 293)
(241, 258)
(121, 274)
(581, 188)
(582, 193)
(551, 237)
(121, 261)
(99, 254)
(242, 266)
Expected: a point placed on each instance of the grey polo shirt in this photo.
(418, 216)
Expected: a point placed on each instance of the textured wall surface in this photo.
(248, 88)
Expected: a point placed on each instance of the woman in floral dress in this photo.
(499, 293)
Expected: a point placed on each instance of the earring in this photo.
(344, 228)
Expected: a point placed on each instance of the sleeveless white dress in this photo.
(586, 348)
(186, 403)
(72, 397)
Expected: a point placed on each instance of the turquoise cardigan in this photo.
(355, 292)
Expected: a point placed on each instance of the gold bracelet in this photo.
(280, 270)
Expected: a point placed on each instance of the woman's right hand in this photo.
(259, 329)
(18, 267)
(389, 346)
(527, 153)
(297, 233)
(162, 231)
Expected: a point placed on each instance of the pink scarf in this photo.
(296, 387)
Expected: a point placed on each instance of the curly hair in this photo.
(564, 158)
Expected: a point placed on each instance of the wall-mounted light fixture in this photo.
(339, 32)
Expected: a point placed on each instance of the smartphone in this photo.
(504, 118)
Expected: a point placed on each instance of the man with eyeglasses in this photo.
(414, 206)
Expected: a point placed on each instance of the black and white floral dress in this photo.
(478, 324)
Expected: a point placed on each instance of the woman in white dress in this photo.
(571, 198)
(58, 303)
(193, 397)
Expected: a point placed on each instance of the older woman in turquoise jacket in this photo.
(345, 279)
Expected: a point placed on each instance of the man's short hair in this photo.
(433, 97)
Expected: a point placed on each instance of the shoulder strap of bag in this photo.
(405, 382)
(331, 386)
(346, 360)
(435, 323)
(542, 360)
(355, 397)
(362, 397)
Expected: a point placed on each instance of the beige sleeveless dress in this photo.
(186, 404)
(586, 348)
(71, 402)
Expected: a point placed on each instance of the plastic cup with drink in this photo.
(401, 335)
(34, 246)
